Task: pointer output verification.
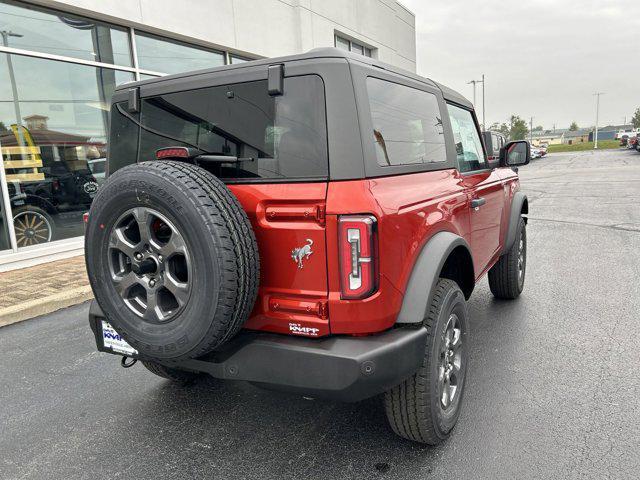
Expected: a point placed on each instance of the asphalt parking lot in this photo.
(553, 392)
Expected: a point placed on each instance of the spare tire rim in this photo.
(150, 265)
(450, 369)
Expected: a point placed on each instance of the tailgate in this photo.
(289, 222)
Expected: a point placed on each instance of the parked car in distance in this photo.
(536, 152)
(493, 142)
(629, 133)
(279, 235)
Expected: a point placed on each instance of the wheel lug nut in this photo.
(152, 283)
(160, 259)
(138, 256)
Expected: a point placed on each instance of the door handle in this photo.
(478, 202)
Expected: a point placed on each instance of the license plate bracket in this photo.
(110, 341)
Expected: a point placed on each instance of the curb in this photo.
(42, 306)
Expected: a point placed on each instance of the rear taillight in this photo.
(357, 237)
(85, 217)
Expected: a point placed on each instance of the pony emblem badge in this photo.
(299, 254)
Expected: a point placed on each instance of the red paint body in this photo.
(409, 210)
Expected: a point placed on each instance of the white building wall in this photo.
(265, 28)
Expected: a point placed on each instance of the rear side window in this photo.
(467, 140)
(407, 125)
(285, 135)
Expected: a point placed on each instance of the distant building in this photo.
(549, 137)
(609, 132)
(577, 136)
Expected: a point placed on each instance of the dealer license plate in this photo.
(112, 339)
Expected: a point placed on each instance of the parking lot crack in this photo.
(626, 227)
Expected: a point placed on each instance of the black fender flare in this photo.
(519, 200)
(425, 274)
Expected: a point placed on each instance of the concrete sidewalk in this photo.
(42, 289)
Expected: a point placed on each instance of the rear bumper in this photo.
(341, 368)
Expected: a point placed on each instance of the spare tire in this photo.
(172, 259)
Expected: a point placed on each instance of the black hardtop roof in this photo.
(329, 52)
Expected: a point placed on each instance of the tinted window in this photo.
(123, 137)
(407, 125)
(286, 135)
(467, 140)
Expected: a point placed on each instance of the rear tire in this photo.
(417, 409)
(173, 374)
(506, 277)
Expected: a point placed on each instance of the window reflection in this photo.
(236, 60)
(53, 118)
(286, 135)
(47, 31)
(168, 56)
(407, 125)
(4, 232)
(467, 140)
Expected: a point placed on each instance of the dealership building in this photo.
(61, 60)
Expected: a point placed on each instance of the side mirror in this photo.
(514, 154)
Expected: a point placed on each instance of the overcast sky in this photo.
(541, 58)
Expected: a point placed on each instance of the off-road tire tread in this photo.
(503, 276)
(237, 252)
(408, 405)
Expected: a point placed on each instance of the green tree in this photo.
(518, 129)
(573, 127)
(502, 128)
(3, 127)
(635, 120)
(539, 128)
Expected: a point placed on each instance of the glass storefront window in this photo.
(235, 59)
(54, 113)
(46, 31)
(168, 56)
(4, 232)
(53, 120)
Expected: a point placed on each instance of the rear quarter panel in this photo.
(410, 209)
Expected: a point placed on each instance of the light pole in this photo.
(595, 137)
(474, 90)
(12, 79)
(474, 82)
(531, 130)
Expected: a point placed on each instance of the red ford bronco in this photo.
(312, 223)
